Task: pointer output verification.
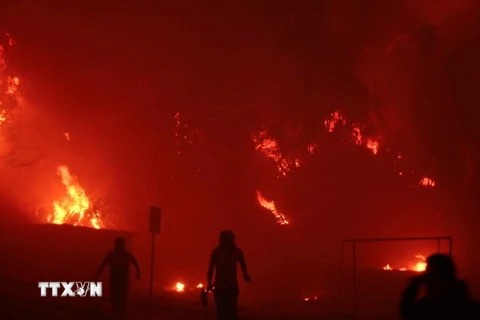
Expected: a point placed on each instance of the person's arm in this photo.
(211, 268)
(105, 261)
(135, 264)
(409, 299)
(243, 265)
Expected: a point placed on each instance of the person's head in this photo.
(440, 271)
(227, 238)
(120, 244)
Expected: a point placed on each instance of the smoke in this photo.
(114, 80)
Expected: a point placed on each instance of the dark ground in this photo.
(21, 301)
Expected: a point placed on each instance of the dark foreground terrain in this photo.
(21, 301)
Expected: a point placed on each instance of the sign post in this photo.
(154, 228)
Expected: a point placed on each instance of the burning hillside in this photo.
(75, 207)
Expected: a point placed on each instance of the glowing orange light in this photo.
(372, 145)
(418, 266)
(75, 208)
(427, 182)
(179, 287)
(270, 149)
(270, 205)
(310, 298)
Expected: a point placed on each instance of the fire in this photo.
(9, 83)
(371, 143)
(270, 205)
(75, 208)
(418, 266)
(313, 298)
(12, 85)
(336, 118)
(200, 285)
(179, 287)
(270, 149)
(427, 182)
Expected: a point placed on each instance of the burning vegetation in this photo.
(75, 208)
(9, 85)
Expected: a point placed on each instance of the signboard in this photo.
(155, 219)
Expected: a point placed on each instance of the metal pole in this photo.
(152, 259)
(354, 275)
(341, 277)
(450, 247)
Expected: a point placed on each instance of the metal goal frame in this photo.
(353, 243)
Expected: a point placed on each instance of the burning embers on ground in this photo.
(418, 266)
(75, 208)
(182, 287)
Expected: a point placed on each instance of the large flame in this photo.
(270, 205)
(75, 208)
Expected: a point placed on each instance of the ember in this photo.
(313, 298)
(75, 208)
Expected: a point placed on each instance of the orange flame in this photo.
(270, 149)
(336, 118)
(12, 85)
(8, 83)
(418, 266)
(427, 182)
(270, 205)
(75, 208)
(179, 287)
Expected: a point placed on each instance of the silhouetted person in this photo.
(223, 261)
(446, 296)
(119, 262)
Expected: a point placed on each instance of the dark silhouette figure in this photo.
(119, 262)
(446, 296)
(223, 261)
